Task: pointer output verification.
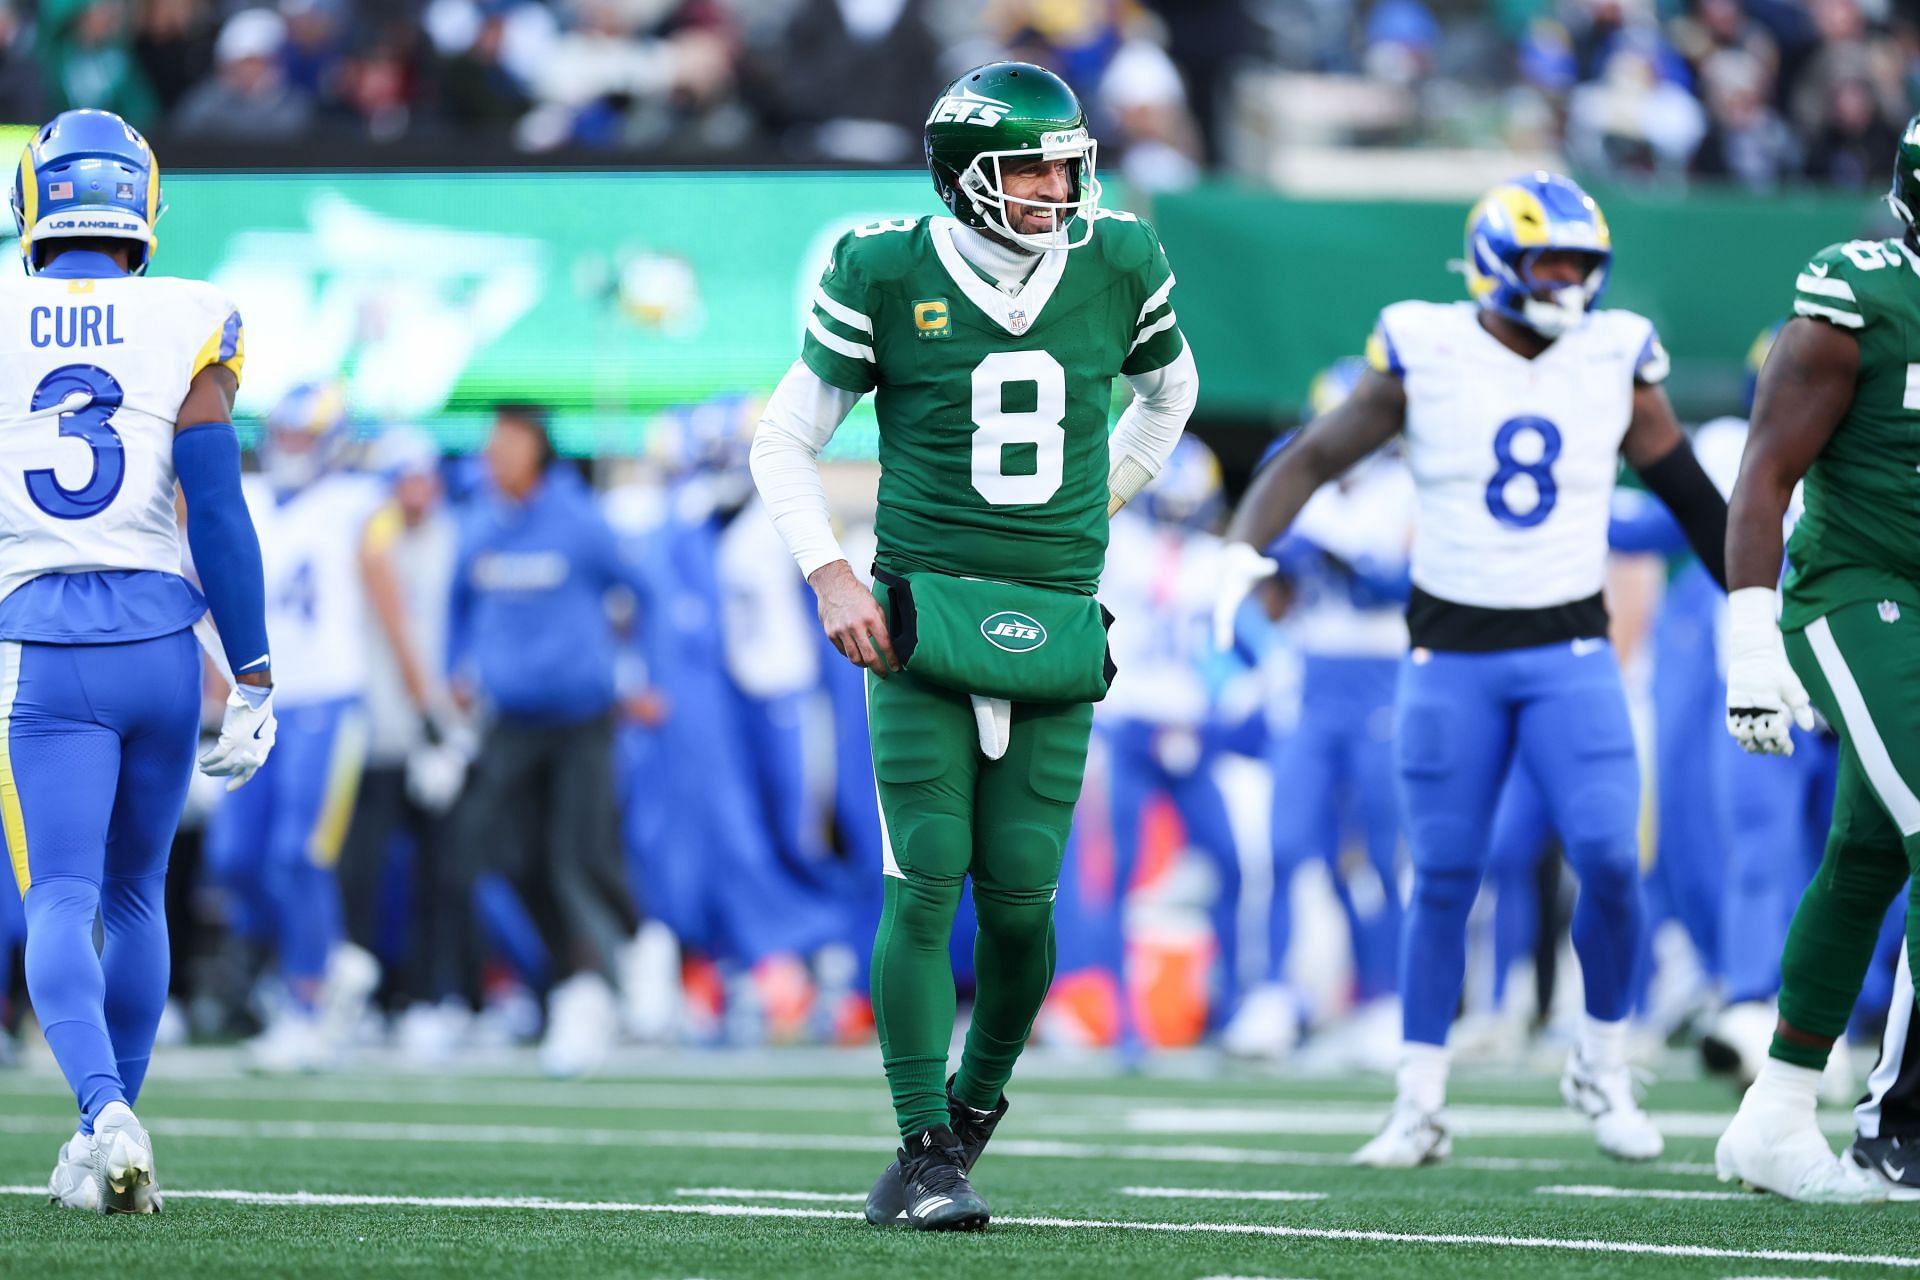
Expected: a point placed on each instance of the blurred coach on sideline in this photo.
(531, 643)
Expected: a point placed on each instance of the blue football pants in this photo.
(95, 756)
(1464, 718)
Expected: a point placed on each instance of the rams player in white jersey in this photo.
(325, 535)
(113, 387)
(1515, 408)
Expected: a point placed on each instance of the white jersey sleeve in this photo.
(1514, 460)
(92, 375)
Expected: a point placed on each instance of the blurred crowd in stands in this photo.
(1763, 93)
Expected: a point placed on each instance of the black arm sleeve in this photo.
(1679, 481)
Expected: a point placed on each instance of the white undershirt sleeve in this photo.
(800, 418)
(1143, 439)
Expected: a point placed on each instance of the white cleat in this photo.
(293, 1043)
(1736, 1043)
(353, 975)
(72, 1185)
(1266, 1027)
(1620, 1125)
(1411, 1138)
(1781, 1149)
(123, 1162)
(582, 1021)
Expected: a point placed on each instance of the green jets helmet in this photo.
(1011, 111)
(1905, 194)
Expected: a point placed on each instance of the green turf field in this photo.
(752, 1167)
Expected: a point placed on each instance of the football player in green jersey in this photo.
(991, 340)
(1837, 404)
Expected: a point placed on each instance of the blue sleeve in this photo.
(1640, 524)
(1380, 582)
(225, 547)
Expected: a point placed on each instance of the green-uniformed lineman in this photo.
(1838, 404)
(991, 340)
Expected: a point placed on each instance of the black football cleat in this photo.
(933, 1174)
(887, 1201)
(1894, 1161)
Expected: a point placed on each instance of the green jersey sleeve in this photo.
(1157, 340)
(1838, 284)
(839, 341)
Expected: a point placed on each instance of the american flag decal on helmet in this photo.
(59, 191)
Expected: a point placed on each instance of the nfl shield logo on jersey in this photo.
(1889, 611)
(1017, 321)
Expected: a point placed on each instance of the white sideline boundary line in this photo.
(331, 1200)
(1647, 1193)
(733, 1140)
(750, 1193)
(1217, 1193)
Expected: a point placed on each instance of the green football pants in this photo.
(950, 813)
(1861, 664)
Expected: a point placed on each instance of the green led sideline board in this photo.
(609, 296)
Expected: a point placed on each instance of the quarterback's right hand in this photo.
(852, 619)
(1241, 569)
(1765, 699)
(246, 736)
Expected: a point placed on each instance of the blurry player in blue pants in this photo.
(100, 676)
(276, 848)
(1163, 719)
(1333, 780)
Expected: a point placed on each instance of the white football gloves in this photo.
(246, 736)
(1765, 699)
(1241, 568)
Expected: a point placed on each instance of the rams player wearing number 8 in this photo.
(991, 340)
(1516, 408)
(113, 387)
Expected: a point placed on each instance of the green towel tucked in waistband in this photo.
(998, 639)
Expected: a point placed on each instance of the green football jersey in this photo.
(1860, 536)
(992, 407)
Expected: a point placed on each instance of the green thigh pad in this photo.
(949, 811)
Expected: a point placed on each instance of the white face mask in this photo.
(1559, 315)
(289, 472)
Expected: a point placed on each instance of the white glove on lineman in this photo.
(1241, 569)
(246, 736)
(1764, 698)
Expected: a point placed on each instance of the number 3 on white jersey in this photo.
(996, 427)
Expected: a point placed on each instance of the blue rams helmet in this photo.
(1510, 228)
(87, 173)
(1188, 489)
(306, 435)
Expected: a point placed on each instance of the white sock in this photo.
(1422, 1078)
(113, 1109)
(1781, 1084)
(1603, 1044)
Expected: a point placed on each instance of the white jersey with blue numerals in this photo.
(1513, 459)
(310, 545)
(91, 488)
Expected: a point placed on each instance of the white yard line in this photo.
(1648, 1193)
(750, 1193)
(733, 1140)
(1216, 1193)
(1464, 1121)
(298, 1199)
